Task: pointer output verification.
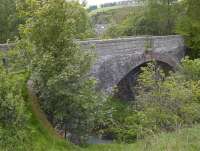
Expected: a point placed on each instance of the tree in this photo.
(9, 20)
(59, 68)
(189, 26)
(152, 17)
(161, 15)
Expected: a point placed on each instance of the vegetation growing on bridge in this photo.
(47, 55)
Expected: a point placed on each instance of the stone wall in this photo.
(131, 44)
(3, 47)
(6, 47)
(118, 57)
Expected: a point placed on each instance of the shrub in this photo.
(163, 103)
(13, 117)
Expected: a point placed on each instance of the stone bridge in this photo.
(119, 60)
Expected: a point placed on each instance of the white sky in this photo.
(98, 2)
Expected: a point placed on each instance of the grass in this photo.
(184, 140)
(43, 135)
(44, 139)
(99, 10)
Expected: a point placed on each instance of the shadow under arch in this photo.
(124, 90)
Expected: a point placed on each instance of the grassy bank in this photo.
(44, 139)
(43, 135)
(183, 140)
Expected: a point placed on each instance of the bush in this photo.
(188, 25)
(153, 17)
(9, 21)
(13, 117)
(169, 102)
(163, 103)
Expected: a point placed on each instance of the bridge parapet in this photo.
(6, 47)
(132, 44)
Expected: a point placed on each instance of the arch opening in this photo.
(125, 91)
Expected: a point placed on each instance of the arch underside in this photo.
(125, 88)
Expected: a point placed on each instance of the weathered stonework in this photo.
(3, 47)
(116, 58)
(6, 47)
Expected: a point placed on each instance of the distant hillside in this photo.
(109, 15)
(104, 9)
(104, 18)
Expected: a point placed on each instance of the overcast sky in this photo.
(98, 2)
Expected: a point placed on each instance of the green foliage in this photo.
(13, 116)
(113, 31)
(189, 26)
(153, 17)
(169, 102)
(78, 19)
(120, 122)
(191, 69)
(182, 140)
(163, 103)
(9, 20)
(59, 68)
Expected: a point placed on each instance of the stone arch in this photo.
(124, 89)
(114, 68)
